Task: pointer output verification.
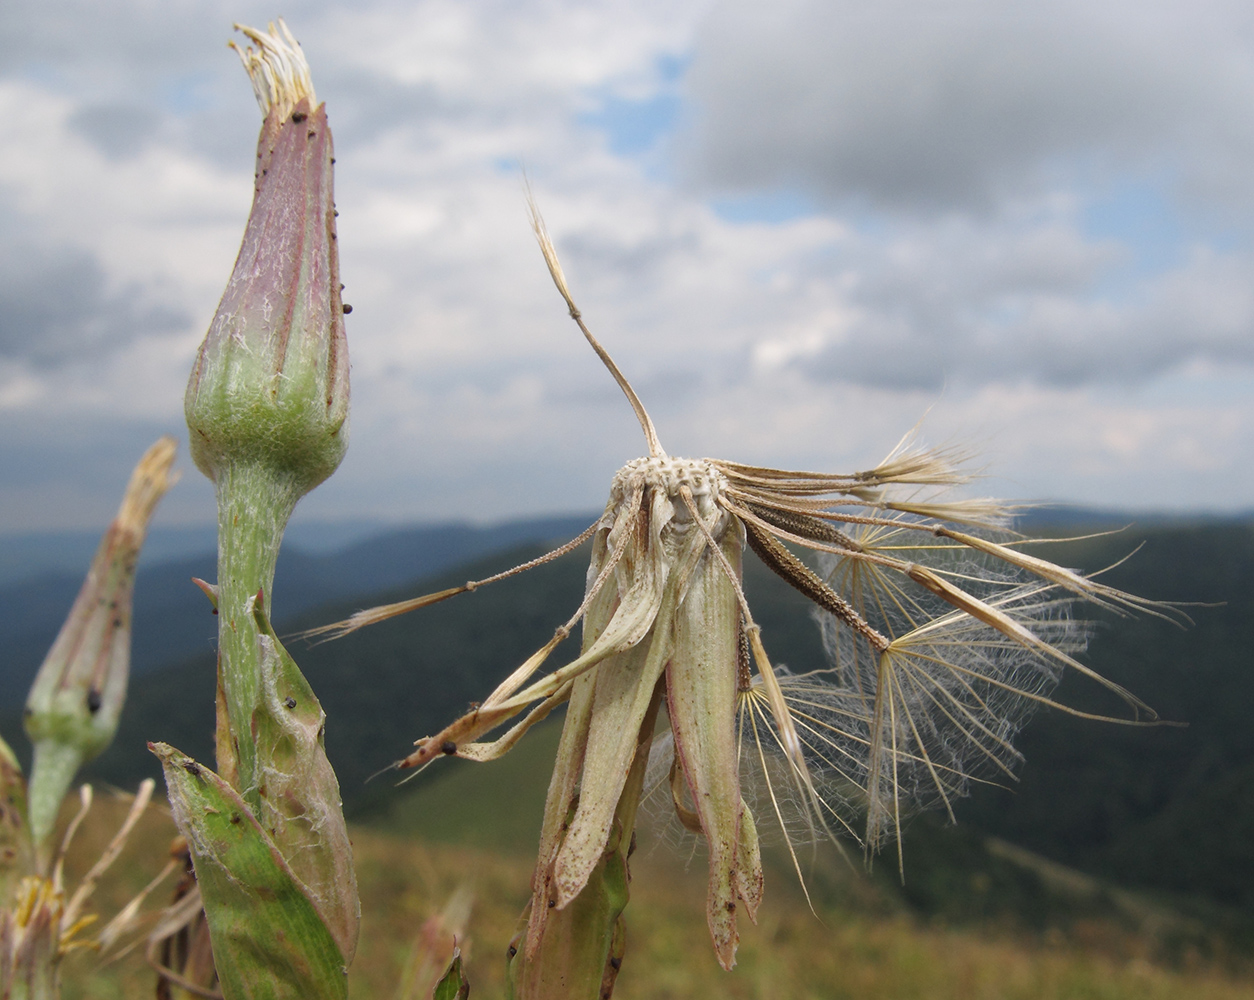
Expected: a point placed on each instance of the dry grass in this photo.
(860, 949)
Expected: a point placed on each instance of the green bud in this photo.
(270, 384)
(73, 707)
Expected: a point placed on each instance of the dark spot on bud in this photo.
(448, 747)
(192, 768)
(93, 701)
(552, 903)
(289, 702)
(347, 309)
(215, 611)
(299, 116)
(616, 963)
(333, 161)
(336, 212)
(235, 817)
(731, 907)
(511, 951)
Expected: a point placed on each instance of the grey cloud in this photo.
(125, 46)
(56, 308)
(148, 69)
(117, 130)
(910, 104)
(960, 330)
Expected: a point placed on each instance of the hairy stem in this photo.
(254, 504)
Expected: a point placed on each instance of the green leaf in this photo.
(269, 942)
(454, 985)
(298, 792)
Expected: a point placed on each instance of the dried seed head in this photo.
(670, 477)
(940, 641)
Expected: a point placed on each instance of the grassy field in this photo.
(471, 826)
(855, 948)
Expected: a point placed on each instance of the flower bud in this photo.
(270, 384)
(73, 707)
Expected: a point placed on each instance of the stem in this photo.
(582, 946)
(254, 504)
(51, 774)
(41, 978)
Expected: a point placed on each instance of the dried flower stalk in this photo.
(942, 634)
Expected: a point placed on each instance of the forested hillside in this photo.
(1170, 808)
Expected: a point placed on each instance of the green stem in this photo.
(37, 972)
(254, 504)
(42, 983)
(51, 774)
(582, 945)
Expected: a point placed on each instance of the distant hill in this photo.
(32, 554)
(385, 686)
(172, 618)
(1170, 809)
(1167, 807)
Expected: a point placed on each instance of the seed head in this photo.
(941, 633)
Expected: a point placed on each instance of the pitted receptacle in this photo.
(668, 476)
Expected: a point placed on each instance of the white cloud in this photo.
(948, 256)
(915, 104)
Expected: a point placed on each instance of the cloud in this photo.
(56, 306)
(797, 229)
(117, 130)
(1054, 193)
(911, 105)
(985, 306)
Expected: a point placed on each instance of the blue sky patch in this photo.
(773, 207)
(1139, 215)
(189, 93)
(635, 127)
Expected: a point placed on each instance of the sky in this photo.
(802, 229)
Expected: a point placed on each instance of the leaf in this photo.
(454, 985)
(299, 795)
(701, 700)
(269, 942)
